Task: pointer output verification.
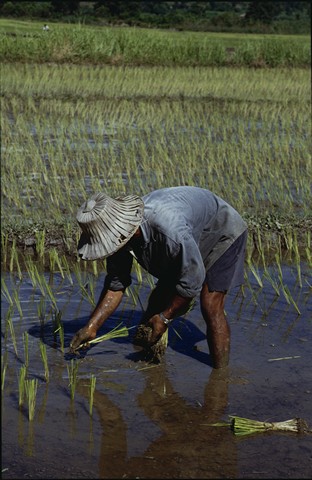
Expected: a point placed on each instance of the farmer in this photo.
(187, 237)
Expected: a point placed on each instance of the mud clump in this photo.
(153, 353)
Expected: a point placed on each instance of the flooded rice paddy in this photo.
(154, 421)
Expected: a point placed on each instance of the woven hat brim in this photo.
(108, 225)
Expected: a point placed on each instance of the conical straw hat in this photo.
(107, 224)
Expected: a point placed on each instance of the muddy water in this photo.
(155, 421)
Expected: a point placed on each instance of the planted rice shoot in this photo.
(17, 303)
(44, 357)
(86, 285)
(55, 260)
(31, 386)
(12, 331)
(58, 327)
(40, 241)
(4, 364)
(26, 349)
(5, 292)
(41, 310)
(92, 389)
(72, 370)
(21, 385)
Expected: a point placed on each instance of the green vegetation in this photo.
(70, 130)
(25, 42)
(91, 393)
(31, 387)
(72, 370)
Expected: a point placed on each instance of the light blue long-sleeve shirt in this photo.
(185, 230)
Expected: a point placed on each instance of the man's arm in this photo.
(177, 306)
(107, 304)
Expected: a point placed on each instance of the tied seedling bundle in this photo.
(245, 426)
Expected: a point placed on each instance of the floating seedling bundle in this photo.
(245, 426)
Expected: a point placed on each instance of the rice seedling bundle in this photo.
(116, 332)
(244, 426)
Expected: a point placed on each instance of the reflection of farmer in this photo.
(187, 447)
(187, 237)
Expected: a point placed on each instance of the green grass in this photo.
(75, 130)
(70, 130)
(26, 42)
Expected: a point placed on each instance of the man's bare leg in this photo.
(218, 330)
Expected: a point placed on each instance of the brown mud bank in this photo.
(273, 231)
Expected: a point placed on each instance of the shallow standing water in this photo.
(154, 421)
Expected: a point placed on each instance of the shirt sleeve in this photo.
(118, 268)
(192, 271)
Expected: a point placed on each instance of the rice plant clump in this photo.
(31, 387)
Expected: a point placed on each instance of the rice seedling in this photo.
(86, 286)
(58, 327)
(55, 260)
(26, 349)
(31, 271)
(4, 364)
(40, 241)
(245, 426)
(4, 248)
(255, 272)
(14, 261)
(41, 310)
(17, 303)
(91, 396)
(60, 331)
(289, 298)
(5, 292)
(21, 385)
(12, 331)
(67, 268)
(44, 357)
(31, 387)
(116, 332)
(72, 370)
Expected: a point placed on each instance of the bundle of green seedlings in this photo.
(245, 426)
(114, 333)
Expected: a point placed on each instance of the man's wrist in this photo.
(164, 319)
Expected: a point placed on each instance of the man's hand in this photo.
(83, 335)
(158, 329)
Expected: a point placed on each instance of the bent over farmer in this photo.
(187, 237)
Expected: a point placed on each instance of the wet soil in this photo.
(154, 420)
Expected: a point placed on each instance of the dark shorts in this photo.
(228, 271)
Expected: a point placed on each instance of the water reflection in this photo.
(187, 447)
